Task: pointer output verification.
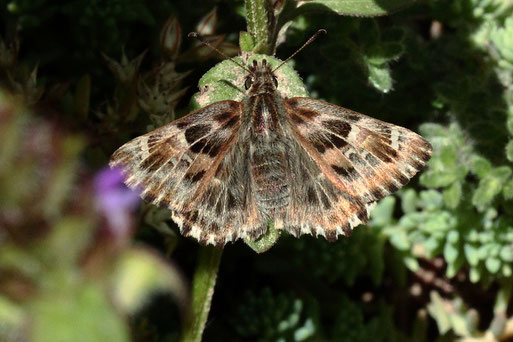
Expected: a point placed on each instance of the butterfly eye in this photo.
(275, 81)
(248, 83)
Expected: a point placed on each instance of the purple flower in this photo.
(115, 201)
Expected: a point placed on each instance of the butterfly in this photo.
(310, 167)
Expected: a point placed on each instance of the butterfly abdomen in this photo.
(268, 173)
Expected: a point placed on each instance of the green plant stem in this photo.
(203, 284)
(258, 13)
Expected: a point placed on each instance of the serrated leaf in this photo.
(366, 8)
(379, 77)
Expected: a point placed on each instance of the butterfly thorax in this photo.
(267, 144)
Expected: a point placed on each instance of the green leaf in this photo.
(450, 252)
(225, 81)
(480, 166)
(140, 274)
(472, 254)
(366, 8)
(379, 77)
(400, 241)
(452, 195)
(475, 274)
(246, 42)
(492, 264)
(379, 54)
(12, 319)
(409, 201)
(509, 150)
(81, 314)
(506, 253)
(441, 178)
(431, 199)
(490, 186)
(507, 191)
(383, 212)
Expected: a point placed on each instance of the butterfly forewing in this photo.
(363, 156)
(191, 167)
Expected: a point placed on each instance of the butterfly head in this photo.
(261, 78)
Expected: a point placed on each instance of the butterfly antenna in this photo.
(312, 38)
(204, 41)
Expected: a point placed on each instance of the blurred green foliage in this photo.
(434, 263)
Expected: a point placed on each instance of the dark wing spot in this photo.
(391, 187)
(337, 141)
(231, 122)
(223, 116)
(377, 193)
(198, 146)
(219, 207)
(382, 156)
(153, 161)
(296, 119)
(195, 177)
(325, 200)
(230, 204)
(214, 228)
(149, 196)
(331, 235)
(362, 215)
(306, 113)
(349, 172)
(354, 117)
(182, 124)
(403, 179)
(338, 127)
(387, 132)
(293, 103)
(373, 161)
(346, 228)
(186, 229)
(196, 132)
(311, 196)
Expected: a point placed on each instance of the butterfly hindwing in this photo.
(317, 206)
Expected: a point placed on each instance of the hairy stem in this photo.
(260, 19)
(203, 284)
